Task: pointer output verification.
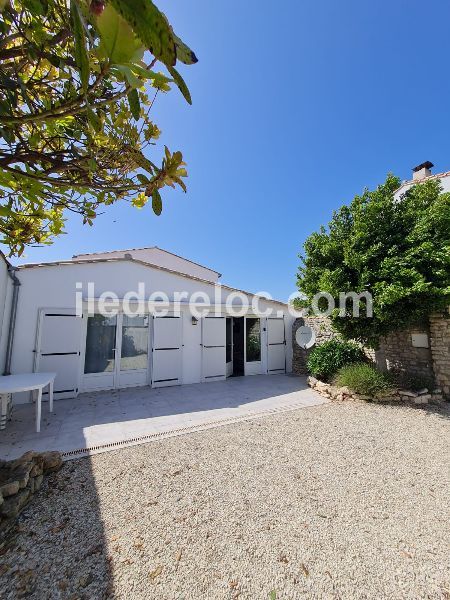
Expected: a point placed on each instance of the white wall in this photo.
(55, 287)
(162, 258)
(445, 184)
(5, 305)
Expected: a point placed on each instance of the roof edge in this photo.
(5, 259)
(151, 248)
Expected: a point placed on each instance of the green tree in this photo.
(399, 251)
(77, 84)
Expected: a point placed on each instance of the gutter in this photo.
(12, 318)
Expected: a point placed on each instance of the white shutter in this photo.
(58, 349)
(167, 348)
(276, 345)
(214, 354)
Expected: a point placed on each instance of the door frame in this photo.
(257, 364)
(115, 373)
(118, 351)
(229, 365)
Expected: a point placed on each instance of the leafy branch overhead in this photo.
(77, 84)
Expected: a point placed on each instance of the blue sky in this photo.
(297, 107)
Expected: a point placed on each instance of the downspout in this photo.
(12, 318)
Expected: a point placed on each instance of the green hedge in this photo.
(326, 359)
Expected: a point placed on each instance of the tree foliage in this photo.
(399, 251)
(77, 82)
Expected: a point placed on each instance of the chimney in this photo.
(422, 171)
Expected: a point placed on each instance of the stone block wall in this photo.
(19, 480)
(324, 332)
(396, 350)
(440, 350)
(397, 353)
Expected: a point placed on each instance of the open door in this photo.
(214, 348)
(167, 348)
(276, 345)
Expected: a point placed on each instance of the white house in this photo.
(137, 317)
(421, 173)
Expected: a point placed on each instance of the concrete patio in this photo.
(102, 421)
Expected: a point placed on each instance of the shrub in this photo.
(363, 378)
(327, 358)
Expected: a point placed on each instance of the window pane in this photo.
(100, 344)
(253, 340)
(134, 343)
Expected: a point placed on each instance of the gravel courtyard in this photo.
(336, 501)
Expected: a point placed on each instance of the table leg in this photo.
(38, 410)
(50, 395)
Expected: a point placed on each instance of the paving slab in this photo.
(102, 421)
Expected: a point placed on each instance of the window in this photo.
(134, 350)
(100, 344)
(253, 340)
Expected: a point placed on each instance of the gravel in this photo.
(338, 501)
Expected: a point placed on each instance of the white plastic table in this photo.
(25, 382)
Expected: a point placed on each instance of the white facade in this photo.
(159, 257)
(49, 336)
(5, 305)
(406, 185)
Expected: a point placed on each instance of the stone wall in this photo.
(333, 392)
(440, 350)
(397, 351)
(19, 480)
(324, 332)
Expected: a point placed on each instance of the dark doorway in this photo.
(238, 346)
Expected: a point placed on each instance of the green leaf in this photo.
(117, 39)
(81, 55)
(156, 202)
(129, 76)
(36, 7)
(135, 105)
(159, 78)
(143, 179)
(143, 162)
(94, 120)
(184, 53)
(181, 84)
(150, 25)
(5, 211)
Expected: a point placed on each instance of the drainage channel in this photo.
(80, 452)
